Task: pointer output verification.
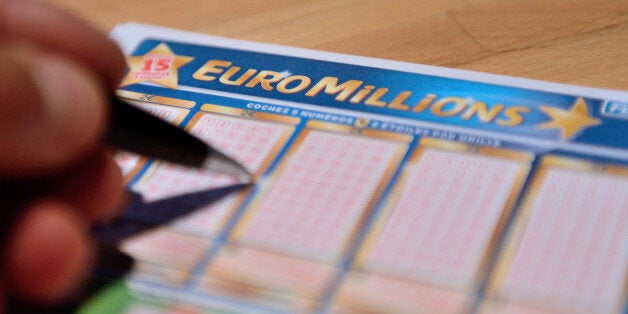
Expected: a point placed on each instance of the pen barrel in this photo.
(134, 130)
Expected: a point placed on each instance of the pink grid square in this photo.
(167, 180)
(439, 229)
(166, 248)
(265, 270)
(319, 196)
(126, 161)
(381, 294)
(248, 141)
(207, 221)
(574, 249)
(166, 113)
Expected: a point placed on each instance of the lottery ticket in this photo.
(569, 249)
(452, 202)
(168, 109)
(504, 307)
(261, 275)
(379, 186)
(289, 240)
(324, 189)
(361, 293)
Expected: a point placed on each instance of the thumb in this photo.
(52, 111)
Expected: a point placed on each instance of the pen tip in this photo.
(245, 179)
(220, 163)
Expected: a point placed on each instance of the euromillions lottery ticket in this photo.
(380, 186)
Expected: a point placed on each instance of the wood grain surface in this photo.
(568, 41)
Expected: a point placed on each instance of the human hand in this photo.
(55, 175)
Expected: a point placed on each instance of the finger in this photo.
(94, 185)
(52, 110)
(64, 33)
(48, 254)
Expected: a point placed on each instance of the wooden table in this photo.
(569, 41)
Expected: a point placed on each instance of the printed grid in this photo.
(166, 113)
(206, 221)
(166, 248)
(448, 211)
(510, 308)
(257, 268)
(126, 161)
(575, 244)
(167, 180)
(381, 294)
(168, 254)
(246, 140)
(317, 200)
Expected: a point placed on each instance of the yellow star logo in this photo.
(569, 121)
(160, 66)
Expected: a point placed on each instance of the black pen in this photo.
(134, 130)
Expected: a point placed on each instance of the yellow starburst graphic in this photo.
(160, 66)
(571, 121)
